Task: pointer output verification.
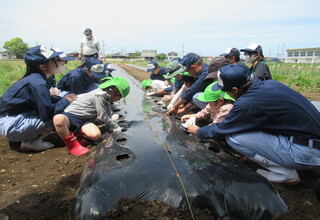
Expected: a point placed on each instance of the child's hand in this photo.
(71, 97)
(186, 117)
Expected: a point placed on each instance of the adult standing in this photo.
(270, 123)
(27, 108)
(254, 55)
(89, 46)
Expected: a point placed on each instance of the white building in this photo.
(303, 55)
(6, 55)
(172, 55)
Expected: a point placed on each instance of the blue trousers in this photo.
(276, 148)
(23, 127)
(198, 103)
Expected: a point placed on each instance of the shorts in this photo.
(76, 121)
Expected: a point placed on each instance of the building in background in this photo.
(6, 55)
(172, 55)
(148, 55)
(303, 55)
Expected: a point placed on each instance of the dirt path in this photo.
(43, 186)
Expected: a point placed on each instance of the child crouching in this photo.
(79, 116)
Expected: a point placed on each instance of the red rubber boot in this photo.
(74, 146)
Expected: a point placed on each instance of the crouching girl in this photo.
(79, 116)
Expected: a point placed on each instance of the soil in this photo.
(43, 185)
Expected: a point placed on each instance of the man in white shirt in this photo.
(89, 46)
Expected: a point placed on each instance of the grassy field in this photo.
(298, 76)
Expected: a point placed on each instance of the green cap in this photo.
(146, 83)
(174, 68)
(210, 96)
(119, 82)
(187, 74)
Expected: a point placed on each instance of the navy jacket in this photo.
(199, 85)
(271, 107)
(159, 76)
(76, 81)
(31, 93)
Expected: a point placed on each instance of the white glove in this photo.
(191, 121)
(54, 91)
(150, 93)
(169, 107)
(115, 117)
(118, 129)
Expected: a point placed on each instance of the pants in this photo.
(198, 103)
(278, 149)
(23, 127)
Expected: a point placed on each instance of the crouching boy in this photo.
(79, 116)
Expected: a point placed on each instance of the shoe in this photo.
(74, 146)
(276, 173)
(35, 145)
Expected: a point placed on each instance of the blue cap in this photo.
(99, 70)
(189, 59)
(92, 61)
(231, 52)
(152, 65)
(39, 55)
(62, 56)
(109, 67)
(232, 75)
(176, 58)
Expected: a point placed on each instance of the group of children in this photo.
(32, 107)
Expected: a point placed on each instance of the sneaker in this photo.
(290, 177)
(36, 145)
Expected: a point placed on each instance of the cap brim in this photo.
(67, 58)
(150, 70)
(247, 50)
(224, 54)
(179, 71)
(99, 75)
(55, 54)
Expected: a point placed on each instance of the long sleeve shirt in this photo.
(90, 46)
(76, 81)
(94, 104)
(215, 115)
(31, 93)
(198, 86)
(268, 106)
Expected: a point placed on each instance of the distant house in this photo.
(118, 55)
(303, 55)
(172, 55)
(148, 55)
(207, 58)
(6, 55)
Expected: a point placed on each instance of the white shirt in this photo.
(90, 46)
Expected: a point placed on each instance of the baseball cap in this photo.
(152, 65)
(174, 68)
(62, 56)
(99, 71)
(254, 47)
(232, 51)
(110, 67)
(210, 95)
(119, 82)
(92, 61)
(146, 83)
(39, 55)
(87, 31)
(215, 66)
(232, 75)
(189, 59)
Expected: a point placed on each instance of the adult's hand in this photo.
(193, 130)
(71, 97)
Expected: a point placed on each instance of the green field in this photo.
(298, 76)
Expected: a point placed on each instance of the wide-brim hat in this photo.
(119, 82)
(211, 94)
(174, 68)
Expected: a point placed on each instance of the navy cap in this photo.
(152, 65)
(231, 52)
(189, 59)
(109, 67)
(176, 58)
(232, 75)
(62, 56)
(99, 70)
(254, 47)
(87, 31)
(39, 55)
(92, 61)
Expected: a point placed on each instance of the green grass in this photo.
(299, 76)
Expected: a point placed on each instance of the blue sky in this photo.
(206, 27)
